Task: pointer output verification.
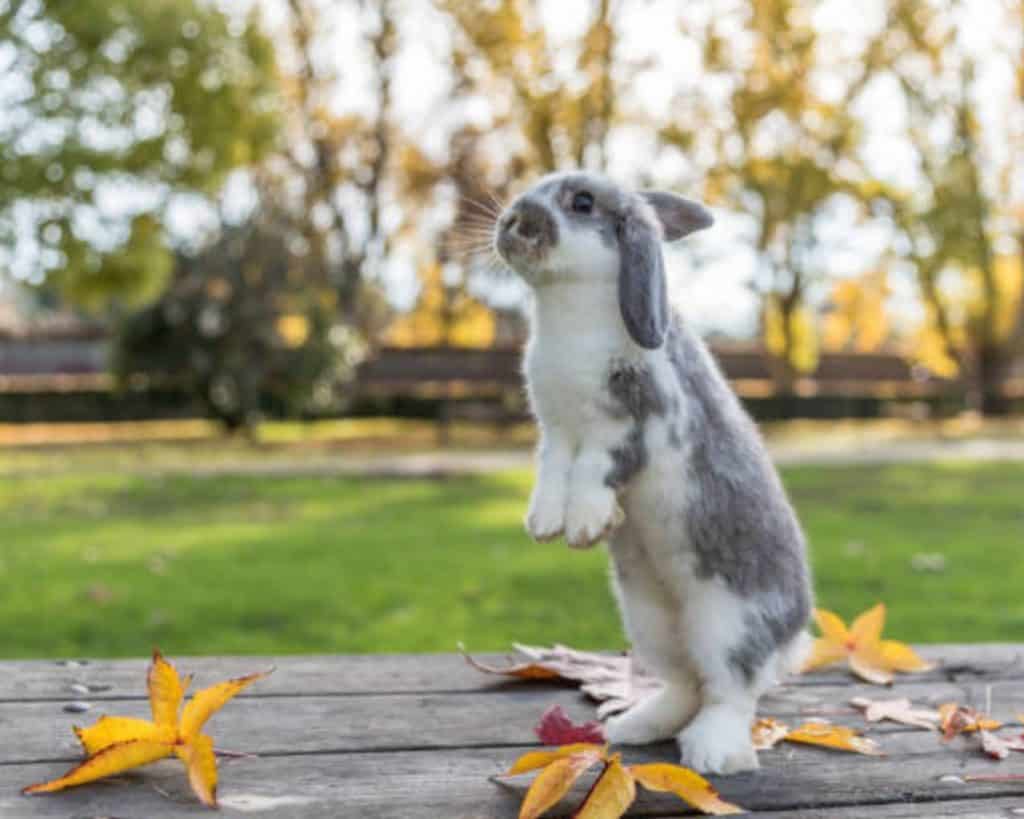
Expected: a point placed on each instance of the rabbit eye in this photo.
(583, 202)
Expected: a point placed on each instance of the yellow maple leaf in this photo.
(615, 788)
(116, 744)
(870, 657)
(688, 785)
(555, 781)
(611, 795)
(837, 737)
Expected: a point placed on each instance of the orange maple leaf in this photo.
(615, 788)
(870, 657)
(116, 744)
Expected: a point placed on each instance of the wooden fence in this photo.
(68, 382)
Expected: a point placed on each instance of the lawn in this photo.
(105, 563)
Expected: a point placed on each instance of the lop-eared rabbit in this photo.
(644, 444)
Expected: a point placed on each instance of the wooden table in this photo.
(419, 736)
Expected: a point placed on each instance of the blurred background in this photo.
(259, 385)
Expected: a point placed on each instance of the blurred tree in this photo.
(111, 108)
(551, 119)
(275, 313)
(539, 117)
(856, 317)
(340, 163)
(961, 223)
(240, 328)
(445, 315)
(780, 147)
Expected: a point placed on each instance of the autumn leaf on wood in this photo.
(899, 710)
(688, 785)
(612, 794)
(116, 744)
(766, 733)
(870, 657)
(555, 728)
(836, 737)
(556, 780)
(615, 787)
(959, 719)
(612, 680)
(999, 747)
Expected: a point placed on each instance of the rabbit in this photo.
(643, 444)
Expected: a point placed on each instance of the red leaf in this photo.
(555, 728)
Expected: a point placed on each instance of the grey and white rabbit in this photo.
(644, 444)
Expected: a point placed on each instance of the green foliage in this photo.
(161, 96)
(243, 330)
(353, 565)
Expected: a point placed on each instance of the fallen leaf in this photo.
(612, 794)
(113, 759)
(524, 671)
(610, 679)
(533, 760)
(766, 733)
(614, 789)
(555, 728)
(959, 719)
(116, 744)
(869, 656)
(837, 737)
(997, 747)
(688, 785)
(899, 710)
(555, 781)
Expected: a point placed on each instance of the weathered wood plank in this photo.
(42, 731)
(455, 784)
(384, 673)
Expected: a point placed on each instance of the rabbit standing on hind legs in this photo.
(644, 444)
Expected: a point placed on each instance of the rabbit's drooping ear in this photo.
(643, 300)
(679, 217)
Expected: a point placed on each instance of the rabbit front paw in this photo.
(546, 517)
(591, 516)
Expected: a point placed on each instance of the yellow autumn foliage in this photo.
(803, 335)
(858, 318)
(442, 316)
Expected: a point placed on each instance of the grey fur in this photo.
(679, 216)
(627, 459)
(636, 395)
(740, 523)
(643, 297)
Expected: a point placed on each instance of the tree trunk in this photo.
(987, 395)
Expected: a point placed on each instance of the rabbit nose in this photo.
(528, 228)
(531, 220)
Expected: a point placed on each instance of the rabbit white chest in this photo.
(567, 363)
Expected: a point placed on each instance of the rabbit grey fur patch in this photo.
(636, 395)
(740, 524)
(764, 633)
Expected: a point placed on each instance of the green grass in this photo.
(106, 564)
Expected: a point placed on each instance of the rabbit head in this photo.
(582, 227)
